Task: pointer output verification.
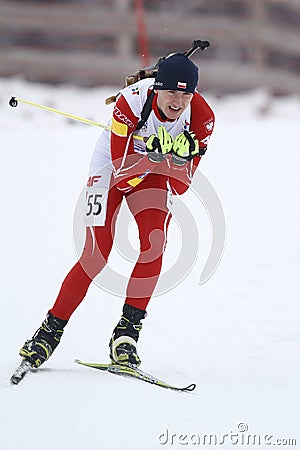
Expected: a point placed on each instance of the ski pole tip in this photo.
(13, 102)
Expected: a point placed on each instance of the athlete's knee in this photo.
(93, 262)
(152, 244)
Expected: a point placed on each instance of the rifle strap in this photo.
(147, 108)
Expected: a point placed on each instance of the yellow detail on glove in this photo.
(185, 146)
(159, 146)
(151, 144)
(165, 139)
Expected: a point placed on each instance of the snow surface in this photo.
(237, 336)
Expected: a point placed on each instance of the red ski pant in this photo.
(148, 205)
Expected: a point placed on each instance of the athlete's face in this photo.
(173, 103)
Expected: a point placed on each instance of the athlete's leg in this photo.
(98, 244)
(149, 208)
(148, 205)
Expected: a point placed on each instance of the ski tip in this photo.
(20, 372)
(14, 381)
(79, 361)
(190, 388)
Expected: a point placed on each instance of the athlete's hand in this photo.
(185, 147)
(158, 146)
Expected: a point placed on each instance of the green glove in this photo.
(159, 146)
(185, 147)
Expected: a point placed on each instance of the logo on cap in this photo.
(181, 85)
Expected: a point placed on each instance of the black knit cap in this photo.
(177, 73)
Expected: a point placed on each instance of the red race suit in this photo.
(120, 170)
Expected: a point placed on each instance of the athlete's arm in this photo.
(202, 124)
(130, 168)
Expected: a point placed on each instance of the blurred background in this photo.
(93, 43)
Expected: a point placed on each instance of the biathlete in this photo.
(144, 172)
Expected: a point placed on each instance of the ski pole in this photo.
(14, 103)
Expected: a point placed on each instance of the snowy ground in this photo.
(237, 336)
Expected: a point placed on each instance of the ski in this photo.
(133, 372)
(20, 372)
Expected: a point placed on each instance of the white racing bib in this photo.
(96, 198)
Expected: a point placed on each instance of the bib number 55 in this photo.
(94, 206)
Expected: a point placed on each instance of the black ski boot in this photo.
(125, 336)
(45, 340)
